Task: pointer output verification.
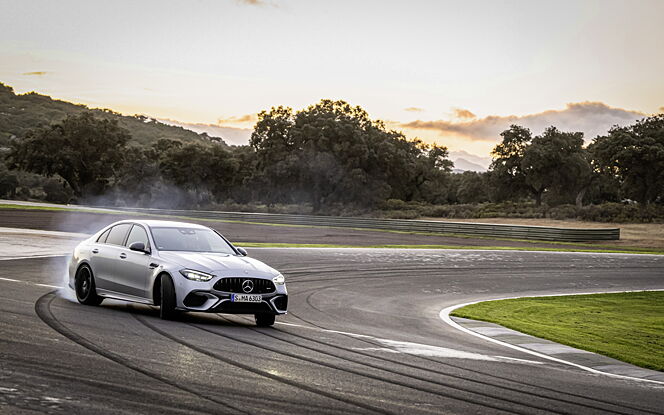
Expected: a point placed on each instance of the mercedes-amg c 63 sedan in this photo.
(177, 266)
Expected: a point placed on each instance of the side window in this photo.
(103, 236)
(138, 234)
(118, 233)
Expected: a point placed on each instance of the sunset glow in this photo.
(447, 72)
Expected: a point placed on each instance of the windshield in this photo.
(190, 240)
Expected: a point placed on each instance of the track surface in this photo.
(363, 336)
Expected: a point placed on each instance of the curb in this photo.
(582, 359)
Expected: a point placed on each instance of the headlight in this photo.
(279, 280)
(196, 275)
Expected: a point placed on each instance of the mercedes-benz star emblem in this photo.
(247, 286)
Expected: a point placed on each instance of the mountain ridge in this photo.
(20, 113)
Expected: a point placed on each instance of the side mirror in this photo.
(139, 247)
(242, 251)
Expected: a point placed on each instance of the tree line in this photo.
(330, 157)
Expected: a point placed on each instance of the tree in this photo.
(8, 182)
(554, 161)
(277, 158)
(506, 172)
(634, 155)
(86, 152)
(201, 168)
(333, 153)
(340, 160)
(472, 187)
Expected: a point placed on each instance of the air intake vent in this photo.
(194, 300)
(281, 302)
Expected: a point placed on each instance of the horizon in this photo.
(455, 75)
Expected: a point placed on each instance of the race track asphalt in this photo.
(363, 335)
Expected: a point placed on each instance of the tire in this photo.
(84, 283)
(167, 307)
(264, 320)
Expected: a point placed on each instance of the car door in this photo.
(95, 263)
(106, 257)
(133, 269)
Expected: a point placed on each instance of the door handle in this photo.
(123, 255)
(95, 251)
(153, 265)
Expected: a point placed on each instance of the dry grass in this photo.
(641, 235)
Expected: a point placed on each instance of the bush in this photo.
(607, 212)
(57, 191)
(563, 212)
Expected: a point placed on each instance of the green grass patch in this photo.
(57, 209)
(626, 326)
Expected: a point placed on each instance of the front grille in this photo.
(234, 285)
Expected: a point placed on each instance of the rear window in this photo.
(118, 233)
(103, 236)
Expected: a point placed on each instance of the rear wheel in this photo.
(84, 283)
(264, 320)
(167, 307)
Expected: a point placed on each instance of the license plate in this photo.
(246, 298)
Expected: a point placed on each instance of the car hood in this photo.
(219, 264)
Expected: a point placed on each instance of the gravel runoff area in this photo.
(642, 235)
(89, 222)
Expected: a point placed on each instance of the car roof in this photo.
(164, 223)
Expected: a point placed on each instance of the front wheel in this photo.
(84, 283)
(264, 320)
(167, 307)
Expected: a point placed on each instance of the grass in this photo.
(626, 326)
(556, 246)
(52, 208)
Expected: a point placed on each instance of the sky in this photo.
(455, 73)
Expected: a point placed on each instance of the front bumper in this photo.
(208, 297)
(220, 302)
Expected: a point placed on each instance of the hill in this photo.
(461, 165)
(20, 113)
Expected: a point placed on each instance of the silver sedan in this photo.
(177, 266)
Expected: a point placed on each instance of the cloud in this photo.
(258, 3)
(592, 118)
(414, 109)
(240, 119)
(35, 73)
(462, 113)
(661, 110)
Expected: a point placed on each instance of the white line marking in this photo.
(418, 349)
(445, 316)
(37, 284)
(31, 257)
(48, 285)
